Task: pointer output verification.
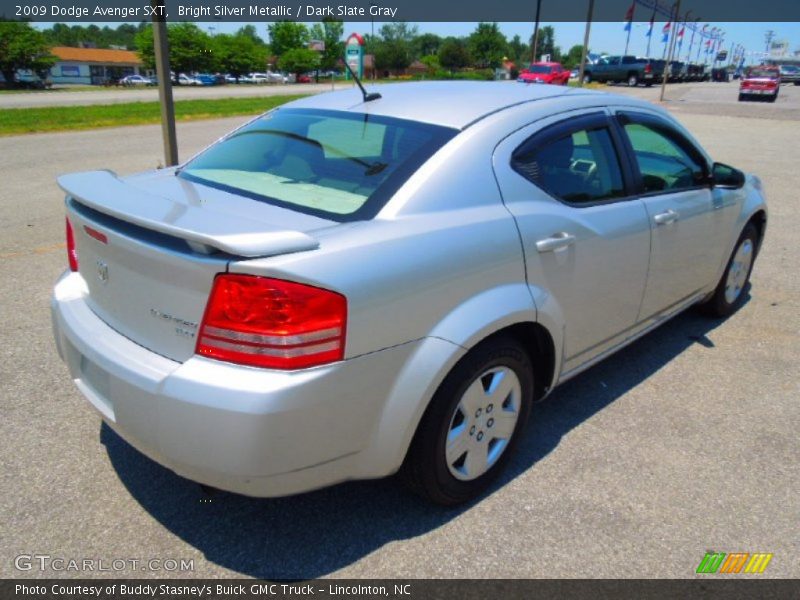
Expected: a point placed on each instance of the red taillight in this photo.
(648, 69)
(72, 252)
(272, 323)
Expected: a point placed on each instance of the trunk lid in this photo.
(150, 246)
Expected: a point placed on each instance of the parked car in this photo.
(678, 72)
(133, 80)
(350, 286)
(544, 72)
(720, 74)
(760, 82)
(790, 74)
(268, 77)
(696, 72)
(304, 78)
(184, 79)
(206, 79)
(631, 70)
(27, 79)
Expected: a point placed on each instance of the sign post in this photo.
(354, 55)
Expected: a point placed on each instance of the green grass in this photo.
(68, 118)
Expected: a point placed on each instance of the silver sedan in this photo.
(347, 287)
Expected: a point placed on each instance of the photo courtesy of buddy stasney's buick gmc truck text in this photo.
(353, 285)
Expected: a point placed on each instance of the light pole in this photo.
(536, 31)
(586, 42)
(161, 47)
(667, 65)
(372, 37)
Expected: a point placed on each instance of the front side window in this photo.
(337, 165)
(579, 167)
(664, 162)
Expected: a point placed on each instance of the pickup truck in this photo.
(617, 69)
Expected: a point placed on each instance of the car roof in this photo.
(455, 104)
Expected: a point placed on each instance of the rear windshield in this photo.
(337, 165)
(541, 69)
(763, 73)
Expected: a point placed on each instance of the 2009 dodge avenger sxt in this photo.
(349, 286)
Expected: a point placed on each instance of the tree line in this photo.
(395, 47)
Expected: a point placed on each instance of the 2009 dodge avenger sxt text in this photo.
(349, 286)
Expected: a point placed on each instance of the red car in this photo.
(760, 82)
(544, 72)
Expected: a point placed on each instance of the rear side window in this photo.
(663, 160)
(337, 165)
(579, 167)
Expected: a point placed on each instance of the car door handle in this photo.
(555, 242)
(665, 218)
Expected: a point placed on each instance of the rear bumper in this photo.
(758, 92)
(252, 431)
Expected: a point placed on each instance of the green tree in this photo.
(190, 48)
(487, 45)
(547, 44)
(573, 58)
(250, 31)
(426, 44)
(298, 60)
(239, 53)
(23, 47)
(287, 35)
(329, 31)
(519, 51)
(393, 50)
(393, 55)
(454, 54)
(399, 31)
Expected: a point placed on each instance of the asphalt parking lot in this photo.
(682, 443)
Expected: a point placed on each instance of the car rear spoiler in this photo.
(204, 229)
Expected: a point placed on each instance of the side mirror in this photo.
(724, 176)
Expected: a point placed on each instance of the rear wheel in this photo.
(587, 78)
(729, 296)
(741, 97)
(473, 423)
(633, 80)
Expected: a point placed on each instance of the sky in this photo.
(605, 37)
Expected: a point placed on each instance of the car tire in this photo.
(773, 98)
(729, 293)
(495, 378)
(633, 80)
(797, 82)
(587, 78)
(741, 98)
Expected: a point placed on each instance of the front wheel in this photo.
(473, 423)
(587, 78)
(729, 296)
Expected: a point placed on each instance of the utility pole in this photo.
(586, 42)
(161, 47)
(768, 37)
(669, 55)
(536, 31)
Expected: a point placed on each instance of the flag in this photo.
(629, 16)
(680, 33)
(650, 27)
(665, 31)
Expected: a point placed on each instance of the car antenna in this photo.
(367, 97)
